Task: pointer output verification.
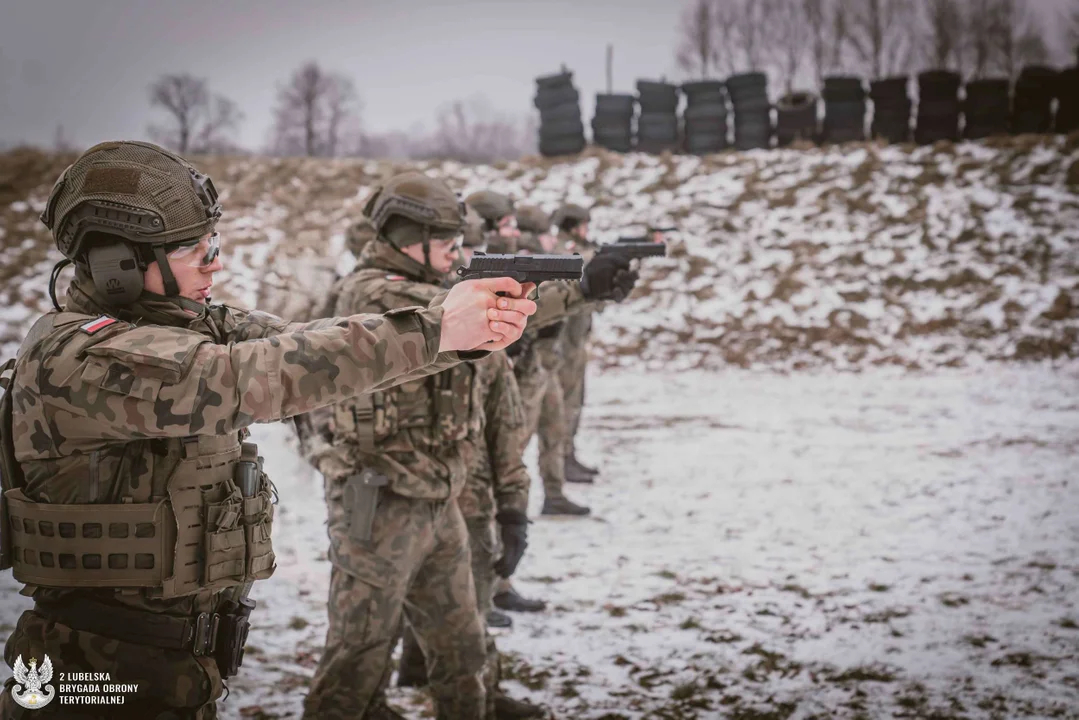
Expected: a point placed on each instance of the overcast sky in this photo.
(86, 64)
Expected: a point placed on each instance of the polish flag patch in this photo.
(100, 324)
(395, 277)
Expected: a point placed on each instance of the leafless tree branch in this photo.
(201, 120)
(312, 110)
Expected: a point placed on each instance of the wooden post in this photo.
(610, 63)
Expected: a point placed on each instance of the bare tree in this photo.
(944, 41)
(753, 30)
(827, 28)
(726, 15)
(471, 131)
(201, 120)
(1019, 40)
(980, 36)
(312, 110)
(1073, 30)
(881, 35)
(697, 52)
(790, 39)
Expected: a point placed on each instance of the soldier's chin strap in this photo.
(57, 269)
(172, 289)
(427, 247)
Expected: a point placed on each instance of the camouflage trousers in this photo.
(572, 372)
(172, 684)
(484, 548)
(416, 564)
(543, 399)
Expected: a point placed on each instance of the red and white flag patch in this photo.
(395, 277)
(100, 324)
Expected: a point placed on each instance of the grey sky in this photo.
(86, 64)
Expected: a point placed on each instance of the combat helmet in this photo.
(532, 222)
(121, 206)
(474, 235)
(491, 206)
(569, 216)
(413, 208)
(358, 235)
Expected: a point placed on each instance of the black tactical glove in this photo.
(608, 277)
(513, 525)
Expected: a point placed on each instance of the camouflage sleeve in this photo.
(557, 300)
(156, 381)
(504, 430)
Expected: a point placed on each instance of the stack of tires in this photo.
(1068, 110)
(1034, 93)
(752, 111)
(561, 130)
(705, 116)
(987, 108)
(844, 109)
(796, 118)
(891, 109)
(612, 125)
(938, 107)
(657, 125)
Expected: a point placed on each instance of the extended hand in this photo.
(608, 277)
(475, 317)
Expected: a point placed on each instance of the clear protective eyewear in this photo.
(199, 254)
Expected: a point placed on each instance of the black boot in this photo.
(512, 601)
(381, 711)
(496, 619)
(577, 473)
(507, 708)
(412, 670)
(572, 460)
(562, 506)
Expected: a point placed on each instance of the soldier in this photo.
(398, 542)
(124, 426)
(495, 495)
(572, 221)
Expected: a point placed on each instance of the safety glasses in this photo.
(199, 254)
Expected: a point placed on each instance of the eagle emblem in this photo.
(31, 689)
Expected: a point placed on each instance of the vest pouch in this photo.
(452, 408)
(257, 527)
(90, 546)
(210, 551)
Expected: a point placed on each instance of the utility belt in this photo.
(220, 634)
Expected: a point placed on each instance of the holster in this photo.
(361, 502)
(232, 636)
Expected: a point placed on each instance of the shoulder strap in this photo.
(11, 476)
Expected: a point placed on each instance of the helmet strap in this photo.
(56, 276)
(167, 278)
(427, 247)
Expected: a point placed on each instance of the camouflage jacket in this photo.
(497, 479)
(419, 434)
(94, 397)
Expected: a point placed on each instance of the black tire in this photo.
(613, 139)
(606, 125)
(657, 125)
(706, 112)
(743, 82)
(752, 105)
(562, 79)
(892, 131)
(704, 87)
(843, 89)
(567, 111)
(564, 145)
(652, 87)
(844, 121)
(1068, 110)
(1031, 118)
(707, 126)
(889, 89)
(648, 145)
(796, 118)
(1038, 80)
(553, 97)
(614, 104)
(562, 127)
(619, 146)
(701, 144)
(657, 104)
(938, 85)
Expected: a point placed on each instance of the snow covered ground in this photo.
(882, 544)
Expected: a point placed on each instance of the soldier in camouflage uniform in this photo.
(572, 221)
(133, 510)
(494, 497)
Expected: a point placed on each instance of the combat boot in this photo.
(506, 708)
(572, 460)
(412, 669)
(381, 711)
(512, 601)
(578, 473)
(500, 620)
(562, 506)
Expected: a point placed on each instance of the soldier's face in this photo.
(443, 253)
(547, 240)
(581, 231)
(507, 227)
(194, 277)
